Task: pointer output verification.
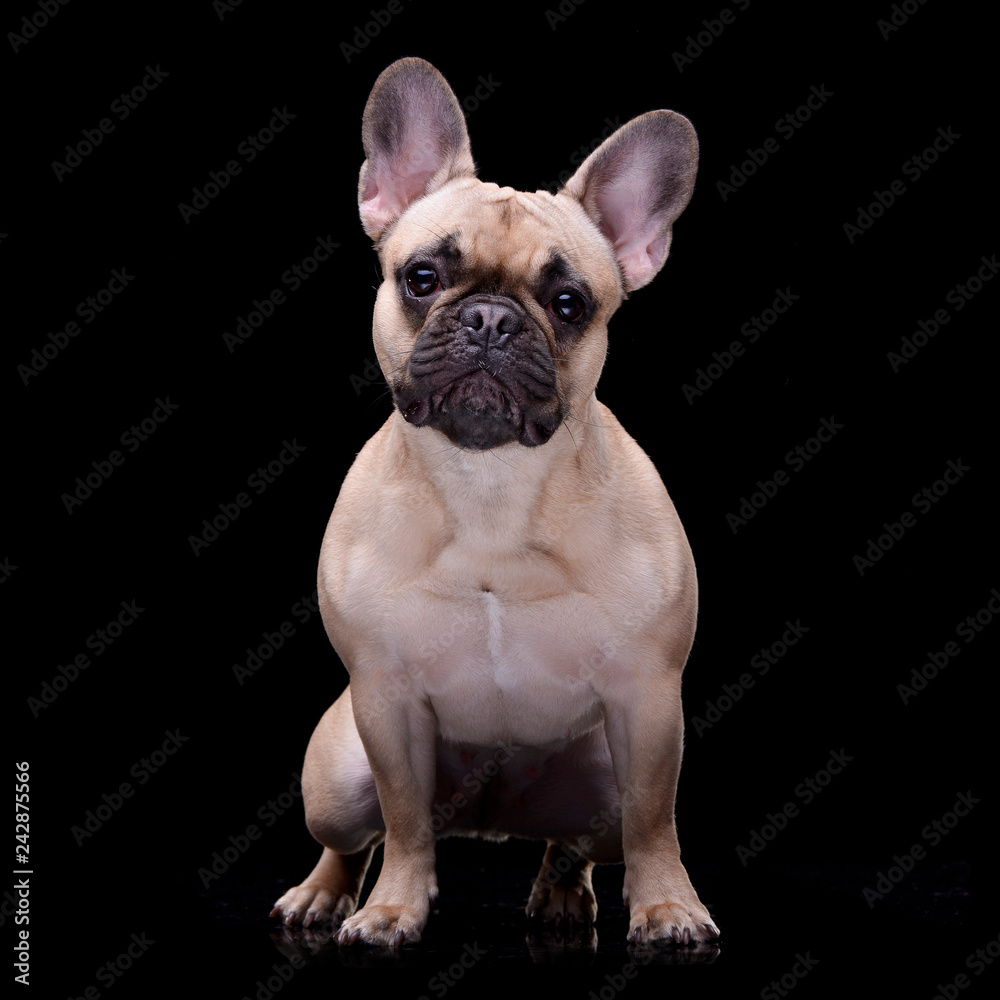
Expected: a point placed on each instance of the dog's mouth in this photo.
(479, 411)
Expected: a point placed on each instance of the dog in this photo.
(504, 575)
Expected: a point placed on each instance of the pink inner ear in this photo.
(375, 216)
(413, 184)
(380, 205)
(637, 240)
(640, 260)
(400, 181)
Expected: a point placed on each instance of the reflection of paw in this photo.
(312, 904)
(298, 942)
(547, 943)
(679, 923)
(562, 904)
(385, 925)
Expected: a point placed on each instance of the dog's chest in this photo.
(501, 666)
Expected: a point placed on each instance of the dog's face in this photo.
(491, 322)
(492, 318)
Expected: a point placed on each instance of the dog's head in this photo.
(491, 322)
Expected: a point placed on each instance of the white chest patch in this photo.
(505, 675)
(517, 670)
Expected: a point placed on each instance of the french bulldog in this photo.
(504, 575)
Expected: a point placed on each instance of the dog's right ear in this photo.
(415, 140)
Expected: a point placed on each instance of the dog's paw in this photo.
(560, 905)
(310, 905)
(393, 926)
(676, 923)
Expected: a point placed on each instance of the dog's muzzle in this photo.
(482, 374)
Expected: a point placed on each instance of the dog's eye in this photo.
(422, 281)
(568, 306)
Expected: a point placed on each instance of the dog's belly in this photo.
(522, 791)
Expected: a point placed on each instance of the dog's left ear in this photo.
(635, 185)
(415, 140)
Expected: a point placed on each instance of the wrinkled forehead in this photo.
(513, 237)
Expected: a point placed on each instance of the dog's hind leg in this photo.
(563, 891)
(343, 814)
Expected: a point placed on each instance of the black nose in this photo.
(489, 323)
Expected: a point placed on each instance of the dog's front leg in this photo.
(397, 728)
(645, 728)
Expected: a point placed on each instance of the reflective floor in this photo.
(801, 925)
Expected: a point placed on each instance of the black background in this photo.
(303, 376)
